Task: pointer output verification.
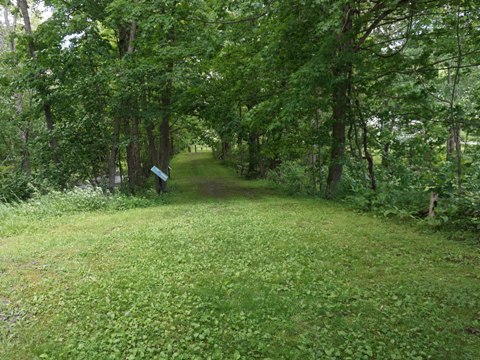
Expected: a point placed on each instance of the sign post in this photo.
(161, 175)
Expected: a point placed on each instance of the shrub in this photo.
(461, 212)
(14, 186)
(86, 199)
(291, 177)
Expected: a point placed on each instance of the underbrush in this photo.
(14, 186)
(461, 212)
(87, 199)
(290, 177)
(403, 198)
(458, 214)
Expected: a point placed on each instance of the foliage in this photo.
(369, 95)
(291, 177)
(86, 199)
(14, 186)
(461, 212)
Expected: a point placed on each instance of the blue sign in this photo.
(159, 173)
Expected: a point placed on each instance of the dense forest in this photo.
(373, 101)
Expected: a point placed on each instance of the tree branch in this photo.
(377, 21)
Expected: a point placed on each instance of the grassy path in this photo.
(229, 270)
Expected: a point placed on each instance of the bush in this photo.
(291, 177)
(87, 199)
(461, 212)
(396, 197)
(14, 186)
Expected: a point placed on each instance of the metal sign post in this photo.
(159, 173)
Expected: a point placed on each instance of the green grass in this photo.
(227, 269)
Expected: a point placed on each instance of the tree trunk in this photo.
(136, 151)
(50, 127)
(385, 154)
(112, 163)
(335, 169)
(368, 156)
(3, 38)
(26, 168)
(433, 204)
(165, 145)
(131, 40)
(253, 156)
(358, 153)
(153, 154)
(12, 41)
(456, 125)
(133, 148)
(19, 97)
(126, 46)
(165, 135)
(120, 167)
(23, 6)
(24, 136)
(133, 153)
(458, 158)
(451, 143)
(226, 150)
(341, 102)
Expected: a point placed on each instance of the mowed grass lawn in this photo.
(227, 269)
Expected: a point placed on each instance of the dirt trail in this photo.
(216, 181)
